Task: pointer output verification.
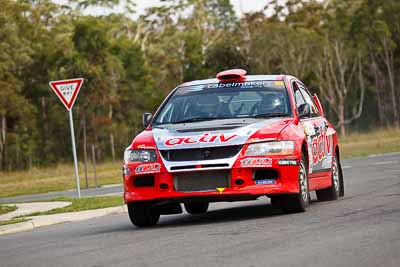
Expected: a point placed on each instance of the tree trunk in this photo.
(110, 116)
(17, 153)
(45, 129)
(342, 126)
(388, 59)
(378, 95)
(3, 142)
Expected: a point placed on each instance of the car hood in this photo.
(217, 133)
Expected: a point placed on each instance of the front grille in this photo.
(187, 167)
(207, 153)
(201, 181)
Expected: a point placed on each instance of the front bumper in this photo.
(163, 186)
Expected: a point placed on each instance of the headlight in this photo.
(140, 156)
(271, 148)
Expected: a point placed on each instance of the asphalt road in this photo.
(362, 229)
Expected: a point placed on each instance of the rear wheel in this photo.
(333, 192)
(142, 214)
(298, 202)
(196, 207)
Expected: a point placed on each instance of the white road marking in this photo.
(346, 167)
(386, 162)
(383, 155)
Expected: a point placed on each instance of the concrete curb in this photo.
(45, 220)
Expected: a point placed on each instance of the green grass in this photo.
(375, 142)
(58, 178)
(89, 203)
(15, 220)
(7, 209)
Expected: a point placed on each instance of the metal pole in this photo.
(71, 124)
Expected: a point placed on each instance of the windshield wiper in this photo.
(271, 115)
(197, 119)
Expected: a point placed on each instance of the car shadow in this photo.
(246, 212)
(220, 215)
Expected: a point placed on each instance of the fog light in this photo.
(164, 186)
(239, 181)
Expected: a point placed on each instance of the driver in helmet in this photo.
(271, 104)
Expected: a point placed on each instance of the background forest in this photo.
(347, 51)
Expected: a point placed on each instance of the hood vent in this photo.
(208, 129)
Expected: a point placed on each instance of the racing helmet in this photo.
(271, 103)
(206, 105)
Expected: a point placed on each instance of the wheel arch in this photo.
(304, 149)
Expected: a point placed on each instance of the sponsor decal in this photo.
(148, 168)
(256, 162)
(288, 162)
(145, 147)
(321, 146)
(309, 128)
(247, 85)
(205, 138)
(265, 181)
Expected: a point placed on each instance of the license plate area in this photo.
(201, 181)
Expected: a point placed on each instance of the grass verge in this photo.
(57, 178)
(7, 209)
(375, 142)
(15, 220)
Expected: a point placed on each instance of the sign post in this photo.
(67, 91)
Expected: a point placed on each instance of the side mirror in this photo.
(304, 111)
(146, 118)
(319, 105)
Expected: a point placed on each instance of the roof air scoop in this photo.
(232, 75)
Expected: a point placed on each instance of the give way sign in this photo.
(67, 90)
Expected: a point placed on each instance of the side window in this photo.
(298, 96)
(308, 99)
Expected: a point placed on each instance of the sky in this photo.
(240, 6)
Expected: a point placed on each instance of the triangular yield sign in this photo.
(67, 90)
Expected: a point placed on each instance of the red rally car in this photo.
(232, 138)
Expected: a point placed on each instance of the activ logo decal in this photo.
(205, 138)
(321, 146)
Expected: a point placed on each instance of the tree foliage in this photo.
(346, 51)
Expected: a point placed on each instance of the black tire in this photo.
(298, 202)
(276, 202)
(196, 207)
(142, 214)
(336, 189)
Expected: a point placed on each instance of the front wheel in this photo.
(298, 202)
(142, 214)
(334, 191)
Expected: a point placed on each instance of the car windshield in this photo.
(255, 99)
